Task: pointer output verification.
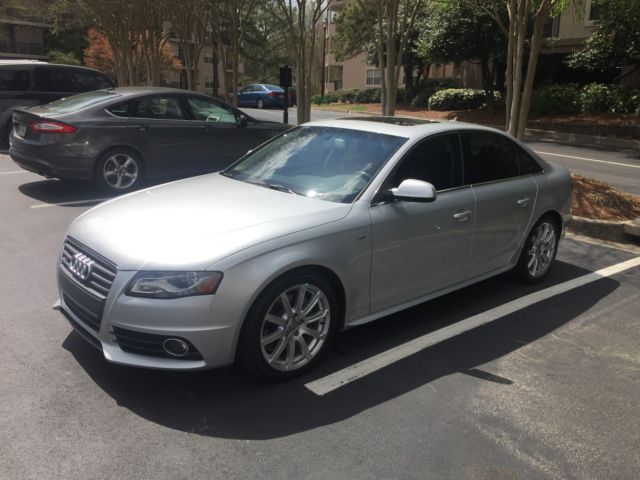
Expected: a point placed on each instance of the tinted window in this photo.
(122, 109)
(435, 160)
(490, 157)
(210, 111)
(14, 80)
(84, 81)
(53, 80)
(526, 164)
(76, 102)
(164, 108)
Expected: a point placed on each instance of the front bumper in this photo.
(194, 319)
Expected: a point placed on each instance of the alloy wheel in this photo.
(541, 250)
(295, 327)
(120, 171)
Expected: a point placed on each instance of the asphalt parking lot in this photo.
(495, 381)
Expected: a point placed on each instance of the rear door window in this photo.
(489, 157)
(84, 81)
(14, 80)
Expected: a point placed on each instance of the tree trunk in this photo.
(511, 42)
(536, 40)
(487, 84)
(521, 32)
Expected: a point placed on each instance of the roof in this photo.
(406, 127)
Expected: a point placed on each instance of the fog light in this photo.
(175, 347)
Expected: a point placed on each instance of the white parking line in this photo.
(588, 159)
(13, 172)
(75, 202)
(338, 379)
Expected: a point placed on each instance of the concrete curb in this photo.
(581, 139)
(615, 231)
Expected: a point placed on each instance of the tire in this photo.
(260, 104)
(119, 170)
(278, 342)
(539, 251)
(6, 134)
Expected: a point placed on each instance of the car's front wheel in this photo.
(119, 170)
(289, 326)
(539, 251)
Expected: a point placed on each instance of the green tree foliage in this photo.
(616, 38)
(455, 32)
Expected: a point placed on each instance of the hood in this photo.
(191, 224)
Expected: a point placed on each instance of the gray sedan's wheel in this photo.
(289, 326)
(119, 170)
(539, 251)
(260, 103)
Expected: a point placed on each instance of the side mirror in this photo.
(243, 121)
(412, 190)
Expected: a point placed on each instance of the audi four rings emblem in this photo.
(81, 266)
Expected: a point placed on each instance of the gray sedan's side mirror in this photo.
(243, 122)
(412, 190)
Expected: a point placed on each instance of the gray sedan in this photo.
(119, 136)
(328, 226)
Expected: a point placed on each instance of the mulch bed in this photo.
(600, 201)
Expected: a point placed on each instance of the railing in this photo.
(22, 48)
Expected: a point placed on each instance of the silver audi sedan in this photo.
(330, 225)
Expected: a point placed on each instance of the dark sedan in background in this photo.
(119, 136)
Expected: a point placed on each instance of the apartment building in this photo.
(564, 34)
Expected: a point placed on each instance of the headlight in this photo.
(173, 284)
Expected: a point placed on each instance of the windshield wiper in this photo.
(280, 188)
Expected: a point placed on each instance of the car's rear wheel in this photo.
(289, 326)
(119, 170)
(539, 251)
(260, 103)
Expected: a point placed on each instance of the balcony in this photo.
(21, 49)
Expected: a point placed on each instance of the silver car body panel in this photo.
(385, 256)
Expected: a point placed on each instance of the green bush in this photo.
(422, 97)
(596, 98)
(457, 99)
(555, 99)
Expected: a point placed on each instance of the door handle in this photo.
(462, 216)
(523, 202)
(142, 128)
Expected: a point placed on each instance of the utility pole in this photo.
(325, 24)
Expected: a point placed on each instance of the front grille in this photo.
(103, 271)
(150, 344)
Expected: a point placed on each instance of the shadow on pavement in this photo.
(83, 192)
(230, 403)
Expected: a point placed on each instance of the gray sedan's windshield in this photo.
(333, 164)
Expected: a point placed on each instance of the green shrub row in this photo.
(356, 95)
(592, 98)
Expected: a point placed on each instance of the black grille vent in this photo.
(86, 316)
(150, 344)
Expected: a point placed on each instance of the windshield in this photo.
(333, 164)
(77, 102)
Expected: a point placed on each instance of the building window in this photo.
(373, 76)
(592, 12)
(208, 57)
(208, 82)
